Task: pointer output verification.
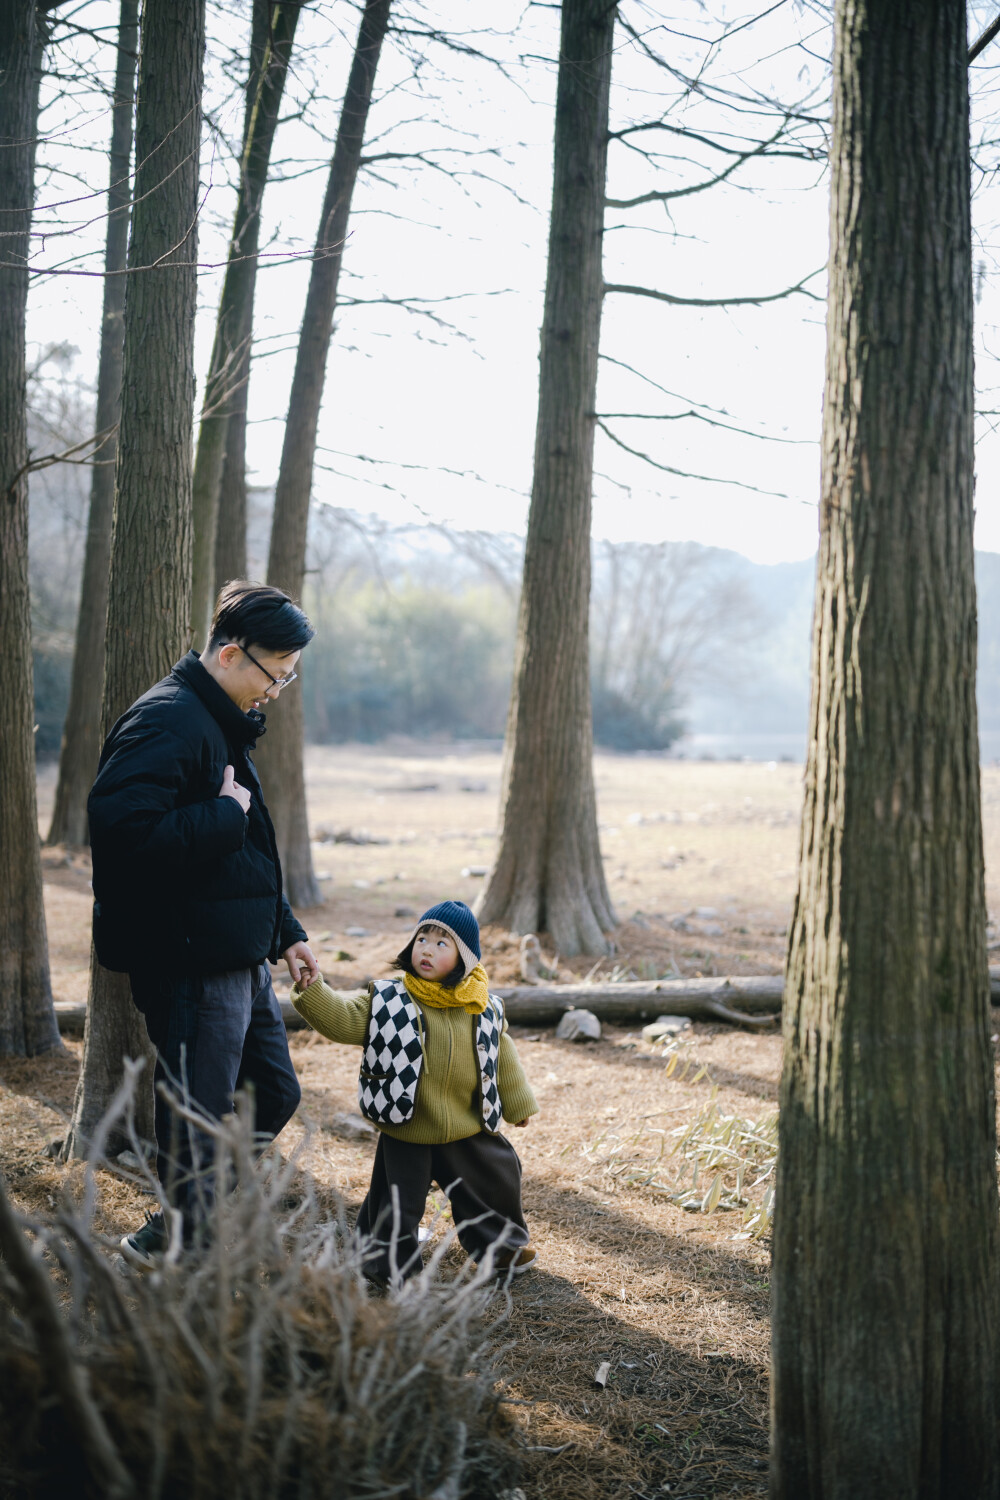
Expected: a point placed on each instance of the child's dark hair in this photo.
(404, 961)
(257, 614)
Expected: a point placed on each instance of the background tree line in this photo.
(415, 626)
(398, 606)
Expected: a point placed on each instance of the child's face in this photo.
(434, 953)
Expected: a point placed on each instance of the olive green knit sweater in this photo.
(448, 1105)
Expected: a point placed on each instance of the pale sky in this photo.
(425, 420)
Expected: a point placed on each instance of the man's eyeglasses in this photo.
(278, 682)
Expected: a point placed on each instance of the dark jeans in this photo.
(482, 1178)
(214, 1034)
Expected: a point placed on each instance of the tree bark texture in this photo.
(27, 1019)
(81, 739)
(548, 874)
(885, 1253)
(149, 600)
(273, 31)
(281, 751)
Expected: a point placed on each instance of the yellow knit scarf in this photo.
(471, 994)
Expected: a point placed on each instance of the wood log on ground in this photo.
(643, 1000)
(743, 999)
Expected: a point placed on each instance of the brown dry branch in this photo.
(259, 1365)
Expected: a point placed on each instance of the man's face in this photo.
(245, 673)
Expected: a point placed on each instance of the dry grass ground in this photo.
(701, 865)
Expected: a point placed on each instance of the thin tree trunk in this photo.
(271, 43)
(81, 732)
(27, 1019)
(231, 521)
(149, 595)
(231, 530)
(281, 751)
(885, 1250)
(548, 875)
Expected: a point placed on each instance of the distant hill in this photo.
(768, 706)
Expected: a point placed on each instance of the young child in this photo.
(438, 1076)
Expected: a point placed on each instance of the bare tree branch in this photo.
(742, 103)
(806, 153)
(645, 291)
(699, 187)
(95, 441)
(739, 484)
(984, 40)
(717, 411)
(681, 416)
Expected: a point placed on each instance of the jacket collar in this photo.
(238, 727)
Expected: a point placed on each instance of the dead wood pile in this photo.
(260, 1366)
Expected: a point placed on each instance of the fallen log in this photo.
(743, 999)
(643, 1000)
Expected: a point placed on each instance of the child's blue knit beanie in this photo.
(459, 921)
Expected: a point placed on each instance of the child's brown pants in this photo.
(482, 1178)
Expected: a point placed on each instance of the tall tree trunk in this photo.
(231, 529)
(548, 873)
(281, 751)
(81, 732)
(231, 521)
(885, 1250)
(27, 1019)
(149, 597)
(271, 43)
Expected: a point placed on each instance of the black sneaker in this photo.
(145, 1247)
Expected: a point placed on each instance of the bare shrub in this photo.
(259, 1366)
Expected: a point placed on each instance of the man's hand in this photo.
(231, 788)
(301, 964)
(520, 1124)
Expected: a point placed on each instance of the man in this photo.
(187, 887)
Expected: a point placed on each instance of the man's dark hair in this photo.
(256, 614)
(404, 961)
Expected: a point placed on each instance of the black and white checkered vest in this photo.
(393, 1057)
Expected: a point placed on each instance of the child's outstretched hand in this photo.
(520, 1124)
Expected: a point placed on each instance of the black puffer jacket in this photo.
(183, 879)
